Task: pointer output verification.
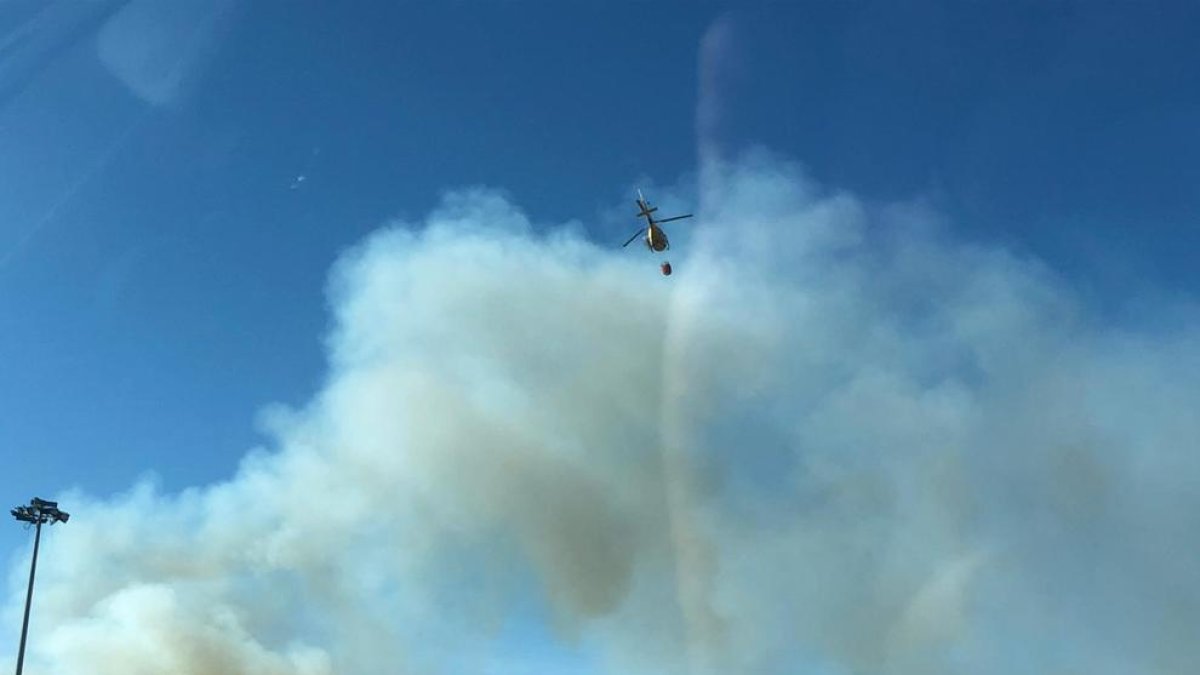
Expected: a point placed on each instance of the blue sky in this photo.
(194, 276)
(162, 276)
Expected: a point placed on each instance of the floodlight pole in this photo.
(38, 513)
(37, 539)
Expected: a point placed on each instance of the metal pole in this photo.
(37, 538)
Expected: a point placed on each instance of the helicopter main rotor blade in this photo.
(635, 236)
(667, 220)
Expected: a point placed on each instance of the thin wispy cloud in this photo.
(67, 196)
(30, 46)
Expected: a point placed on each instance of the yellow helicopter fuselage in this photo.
(656, 239)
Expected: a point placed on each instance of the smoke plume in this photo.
(835, 441)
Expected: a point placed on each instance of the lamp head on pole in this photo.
(40, 512)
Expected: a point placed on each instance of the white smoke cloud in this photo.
(834, 441)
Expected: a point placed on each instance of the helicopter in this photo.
(653, 235)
